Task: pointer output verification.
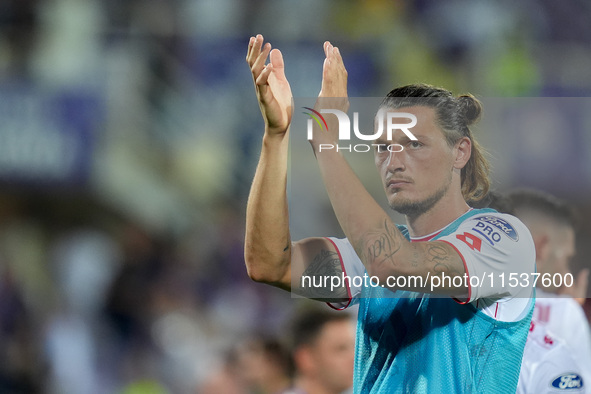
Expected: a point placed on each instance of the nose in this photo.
(395, 161)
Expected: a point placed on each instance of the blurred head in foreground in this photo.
(263, 365)
(323, 349)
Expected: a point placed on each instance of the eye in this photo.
(381, 148)
(414, 144)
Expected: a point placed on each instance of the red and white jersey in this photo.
(499, 258)
(565, 318)
(548, 365)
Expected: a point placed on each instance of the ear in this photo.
(462, 151)
(542, 245)
(302, 358)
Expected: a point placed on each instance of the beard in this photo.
(416, 208)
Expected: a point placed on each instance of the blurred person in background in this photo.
(225, 378)
(578, 290)
(264, 365)
(406, 342)
(548, 364)
(256, 365)
(323, 351)
(552, 225)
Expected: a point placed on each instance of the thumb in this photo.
(276, 59)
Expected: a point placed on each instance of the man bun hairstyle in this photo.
(470, 108)
(455, 115)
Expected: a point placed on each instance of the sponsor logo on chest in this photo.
(568, 381)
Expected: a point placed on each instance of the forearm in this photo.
(267, 240)
(382, 248)
(368, 227)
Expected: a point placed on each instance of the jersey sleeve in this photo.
(498, 254)
(353, 270)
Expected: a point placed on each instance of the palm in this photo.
(273, 90)
(333, 94)
(334, 73)
(275, 100)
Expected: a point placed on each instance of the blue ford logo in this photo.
(568, 381)
(504, 226)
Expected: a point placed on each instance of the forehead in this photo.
(427, 124)
(335, 330)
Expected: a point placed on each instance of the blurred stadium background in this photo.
(129, 133)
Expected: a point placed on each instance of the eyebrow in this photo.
(403, 139)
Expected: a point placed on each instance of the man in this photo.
(406, 341)
(548, 365)
(552, 225)
(263, 365)
(323, 350)
(257, 364)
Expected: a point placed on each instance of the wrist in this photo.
(325, 148)
(271, 138)
(322, 141)
(276, 130)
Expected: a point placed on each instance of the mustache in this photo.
(398, 179)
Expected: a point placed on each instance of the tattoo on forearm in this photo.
(379, 247)
(415, 257)
(439, 257)
(382, 245)
(325, 265)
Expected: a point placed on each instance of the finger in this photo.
(256, 49)
(325, 71)
(276, 59)
(339, 60)
(262, 84)
(337, 54)
(326, 47)
(259, 63)
(250, 45)
(264, 75)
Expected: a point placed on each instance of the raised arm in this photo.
(267, 246)
(270, 255)
(379, 244)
